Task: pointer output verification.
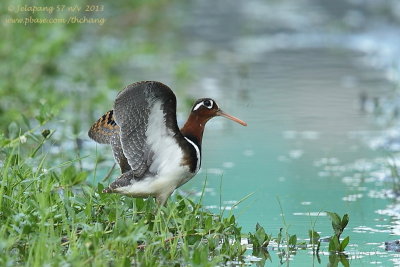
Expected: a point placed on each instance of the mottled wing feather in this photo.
(132, 110)
(106, 131)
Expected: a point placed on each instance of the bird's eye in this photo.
(208, 103)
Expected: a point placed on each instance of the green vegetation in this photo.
(338, 225)
(46, 219)
(259, 239)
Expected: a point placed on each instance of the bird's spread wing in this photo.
(106, 131)
(146, 115)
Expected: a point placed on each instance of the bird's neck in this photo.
(194, 128)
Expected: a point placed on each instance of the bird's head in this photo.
(207, 108)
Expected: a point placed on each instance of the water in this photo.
(298, 147)
(297, 82)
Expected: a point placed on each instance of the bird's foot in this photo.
(107, 190)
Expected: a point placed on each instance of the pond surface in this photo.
(302, 145)
(308, 92)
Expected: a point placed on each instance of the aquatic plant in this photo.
(259, 238)
(338, 225)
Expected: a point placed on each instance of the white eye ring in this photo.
(203, 104)
(211, 103)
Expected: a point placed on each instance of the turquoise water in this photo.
(311, 140)
(302, 147)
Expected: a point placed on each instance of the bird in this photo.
(154, 155)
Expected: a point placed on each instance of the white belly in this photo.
(161, 184)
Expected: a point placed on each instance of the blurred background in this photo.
(316, 81)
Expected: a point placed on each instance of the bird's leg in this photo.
(161, 199)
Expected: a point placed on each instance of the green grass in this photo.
(50, 216)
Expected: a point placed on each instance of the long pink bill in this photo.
(223, 114)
